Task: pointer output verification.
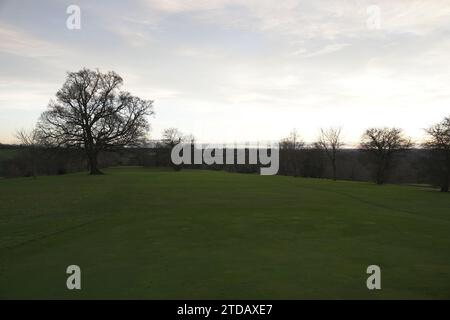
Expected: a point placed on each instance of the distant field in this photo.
(139, 233)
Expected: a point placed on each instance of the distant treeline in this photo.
(93, 123)
(414, 166)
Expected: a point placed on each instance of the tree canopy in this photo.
(91, 112)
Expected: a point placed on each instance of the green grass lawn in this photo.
(141, 233)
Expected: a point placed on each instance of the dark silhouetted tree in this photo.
(92, 113)
(382, 144)
(290, 153)
(30, 141)
(438, 143)
(330, 142)
(292, 142)
(171, 137)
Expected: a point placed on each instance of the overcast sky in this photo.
(238, 70)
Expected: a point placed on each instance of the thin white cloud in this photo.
(325, 50)
(326, 19)
(17, 42)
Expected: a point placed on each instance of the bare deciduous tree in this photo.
(382, 144)
(330, 141)
(30, 141)
(92, 113)
(172, 137)
(190, 138)
(290, 150)
(292, 142)
(439, 144)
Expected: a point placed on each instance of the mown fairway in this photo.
(139, 233)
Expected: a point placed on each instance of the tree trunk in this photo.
(445, 184)
(33, 164)
(93, 163)
(383, 167)
(380, 175)
(334, 168)
(446, 180)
